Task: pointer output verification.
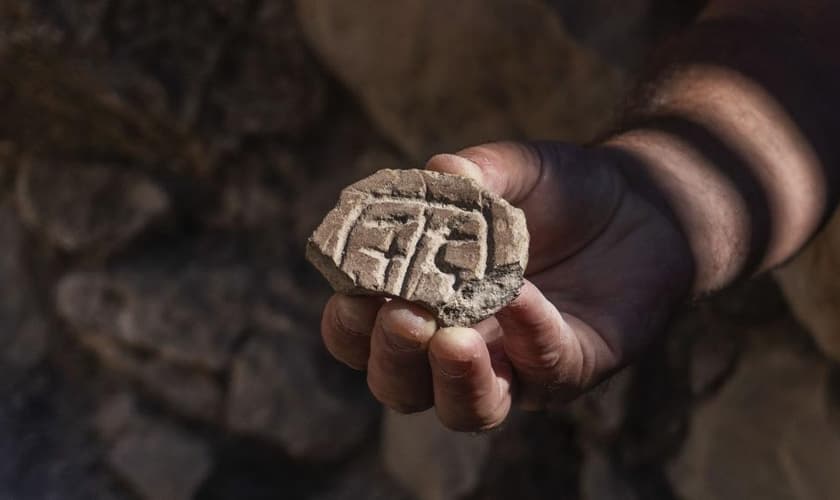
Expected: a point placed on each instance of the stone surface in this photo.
(767, 434)
(169, 331)
(191, 317)
(277, 393)
(278, 89)
(438, 240)
(159, 461)
(23, 327)
(189, 392)
(439, 77)
(214, 343)
(87, 207)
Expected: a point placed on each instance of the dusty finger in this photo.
(398, 368)
(471, 393)
(346, 326)
(509, 169)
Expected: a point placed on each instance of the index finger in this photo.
(346, 325)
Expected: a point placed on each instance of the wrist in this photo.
(706, 206)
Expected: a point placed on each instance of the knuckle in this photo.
(473, 422)
(541, 364)
(355, 365)
(409, 407)
(356, 361)
(342, 325)
(482, 410)
(401, 402)
(401, 342)
(405, 327)
(352, 316)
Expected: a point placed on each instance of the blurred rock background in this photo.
(161, 165)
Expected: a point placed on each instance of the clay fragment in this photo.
(438, 240)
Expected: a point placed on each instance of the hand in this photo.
(606, 271)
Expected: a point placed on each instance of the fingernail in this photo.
(453, 368)
(456, 164)
(405, 327)
(460, 344)
(355, 314)
(470, 169)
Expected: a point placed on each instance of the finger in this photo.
(554, 356)
(489, 329)
(346, 326)
(471, 393)
(568, 194)
(509, 169)
(398, 368)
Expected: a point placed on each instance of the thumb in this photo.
(509, 169)
(555, 355)
(567, 192)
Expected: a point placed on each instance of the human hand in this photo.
(606, 271)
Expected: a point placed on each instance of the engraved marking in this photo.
(440, 241)
(490, 257)
(412, 254)
(417, 236)
(343, 233)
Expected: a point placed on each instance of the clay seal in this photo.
(437, 240)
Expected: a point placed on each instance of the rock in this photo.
(23, 326)
(84, 19)
(430, 461)
(600, 479)
(276, 393)
(170, 332)
(619, 31)
(8, 167)
(766, 434)
(256, 192)
(87, 207)
(365, 479)
(192, 317)
(810, 286)
(214, 343)
(159, 461)
(189, 392)
(438, 77)
(438, 240)
(276, 87)
(115, 416)
(28, 345)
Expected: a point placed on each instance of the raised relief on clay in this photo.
(434, 239)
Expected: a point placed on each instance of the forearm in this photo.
(734, 132)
